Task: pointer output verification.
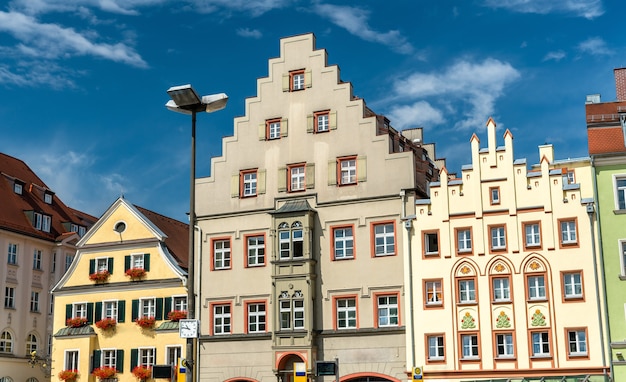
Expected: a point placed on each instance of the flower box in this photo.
(106, 323)
(76, 322)
(104, 372)
(145, 322)
(177, 315)
(68, 375)
(142, 372)
(135, 273)
(99, 276)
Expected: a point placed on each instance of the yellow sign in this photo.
(299, 372)
(180, 371)
(417, 373)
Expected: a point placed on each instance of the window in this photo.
(257, 317)
(467, 291)
(569, 177)
(540, 344)
(322, 121)
(179, 303)
(147, 307)
(498, 238)
(435, 347)
(273, 128)
(173, 353)
(494, 195)
(221, 254)
(536, 287)
(110, 309)
(221, 319)
(504, 345)
(501, 290)
(109, 358)
(572, 285)
(297, 80)
(255, 250)
(54, 262)
(469, 346)
(9, 297)
(248, 183)
(102, 264)
(137, 260)
(388, 311)
(464, 240)
(71, 360)
(343, 243)
(12, 254)
(147, 357)
(577, 342)
(47, 198)
(532, 234)
(434, 292)
(297, 178)
(37, 259)
(431, 243)
(568, 232)
(6, 342)
(622, 246)
(34, 301)
(45, 223)
(620, 193)
(347, 170)
(81, 231)
(290, 240)
(37, 220)
(346, 313)
(384, 239)
(79, 310)
(17, 188)
(31, 343)
(68, 261)
(291, 310)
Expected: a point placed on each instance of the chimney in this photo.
(620, 83)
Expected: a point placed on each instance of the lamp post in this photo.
(184, 99)
(44, 363)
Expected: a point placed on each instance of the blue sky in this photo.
(83, 82)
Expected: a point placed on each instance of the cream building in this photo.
(128, 269)
(504, 271)
(301, 230)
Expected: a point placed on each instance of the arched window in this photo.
(291, 240)
(6, 342)
(6, 379)
(32, 343)
(32, 379)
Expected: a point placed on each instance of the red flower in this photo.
(177, 315)
(68, 375)
(76, 322)
(106, 323)
(99, 276)
(145, 322)
(142, 372)
(104, 372)
(135, 273)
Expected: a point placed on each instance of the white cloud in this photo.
(473, 87)
(582, 8)
(253, 7)
(250, 33)
(355, 21)
(418, 114)
(595, 46)
(554, 56)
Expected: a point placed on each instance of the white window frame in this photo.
(347, 171)
(37, 258)
(577, 342)
(256, 250)
(501, 289)
(346, 313)
(110, 309)
(249, 180)
(619, 188)
(273, 129)
(32, 343)
(498, 237)
(291, 241)
(297, 81)
(464, 240)
(431, 239)
(572, 285)
(388, 310)
(322, 122)
(108, 358)
(179, 303)
(469, 343)
(222, 319)
(18, 188)
(343, 242)
(37, 220)
(146, 356)
(434, 292)
(494, 194)
(34, 301)
(291, 310)
(71, 359)
(6, 342)
(12, 253)
(257, 317)
(102, 264)
(568, 231)
(436, 347)
(9, 297)
(384, 239)
(46, 223)
(467, 291)
(536, 290)
(172, 354)
(79, 310)
(221, 254)
(47, 198)
(622, 256)
(540, 339)
(147, 307)
(137, 260)
(505, 348)
(69, 258)
(297, 178)
(532, 234)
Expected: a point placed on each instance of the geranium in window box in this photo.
(135, 273)
(100, 276)
(104, 372)
(68, 375)
(106, 323)
(76, 322)
(145, 322)
(177, 315)
(142, 372)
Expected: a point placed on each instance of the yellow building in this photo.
(504, 271)
(129, 270)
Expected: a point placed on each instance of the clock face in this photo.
(188, 328)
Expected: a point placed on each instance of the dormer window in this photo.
(47, 197)
(18, 187)
(46, 223)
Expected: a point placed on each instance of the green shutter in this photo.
(126, 263)
(332, 172)
(92, 266)
(159, 309)
(134, 357)
(283, 127)
(98, 310)
(310, 126)
(282, 179)
(260, 182)
(89, 313)
(234, 186)
(119, 360)
(135, 310)
(96, 359)
(110, 265)
(167, 306)
(69, 310)
(121, 311)
(309, 175)
(361, 169)
(146, 261)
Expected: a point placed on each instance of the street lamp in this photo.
(184, 99)
(44, 363)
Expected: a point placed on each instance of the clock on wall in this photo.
(188, 328)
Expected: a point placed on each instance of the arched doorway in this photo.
(286, 367)
(368, 377)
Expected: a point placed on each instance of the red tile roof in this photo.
(177, 232)
(15, 208)
(606, 140)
